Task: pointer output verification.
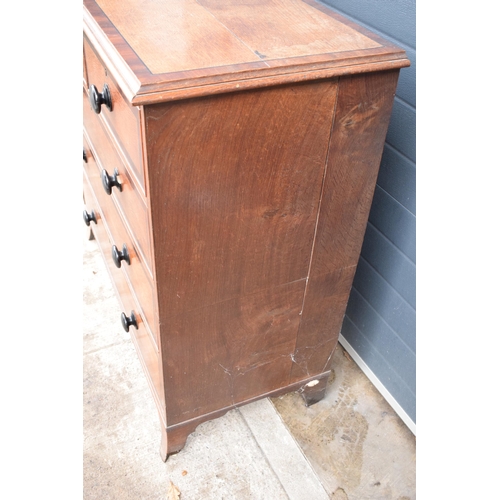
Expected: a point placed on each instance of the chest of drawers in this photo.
(230, 154)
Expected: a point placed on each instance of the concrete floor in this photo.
(351, 445)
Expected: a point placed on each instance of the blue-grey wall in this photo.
(380, 317)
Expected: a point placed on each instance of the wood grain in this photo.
(247, 135)
(283, 29)
(179, 35)
(361, 120)
(235, 183)
(320, 44)
(175, 35)
(137, 274)
(130, 200)
(174, 437)
(234, 351)
(123, 120)
(142, 337)
(323, 311)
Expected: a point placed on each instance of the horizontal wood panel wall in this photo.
(380, 318)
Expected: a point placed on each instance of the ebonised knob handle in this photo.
(89, 217)
(97, 98)
(85, 156)
(119, 256)
(128, 321)
(108, 181)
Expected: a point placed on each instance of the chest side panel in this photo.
(235, 183)
(362, 117)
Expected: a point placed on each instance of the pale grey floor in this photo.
(351, 445)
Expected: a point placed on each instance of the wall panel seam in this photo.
(365, 301)
(410, 107)
(397, 201)
(399, 153)
(406, 257)
(388, 284)
(382, 357)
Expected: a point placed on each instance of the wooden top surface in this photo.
(171, 49)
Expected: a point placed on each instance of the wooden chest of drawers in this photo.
(231, 151)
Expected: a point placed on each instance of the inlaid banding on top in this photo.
(181, 35)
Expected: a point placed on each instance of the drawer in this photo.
(138, 275)
(100, 232)
(129, 199)
(123, 119)
(146, 349)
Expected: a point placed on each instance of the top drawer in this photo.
(123, 120)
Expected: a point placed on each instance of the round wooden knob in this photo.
(97, 98)
(128, 321)
(108, 181)
(118, 256)
(87, 218)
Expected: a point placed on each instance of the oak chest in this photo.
(230, 154)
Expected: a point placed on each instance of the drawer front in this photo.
(100, 232)
(123, 119)
(148, 354)
(130, 199)
(137, 274)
